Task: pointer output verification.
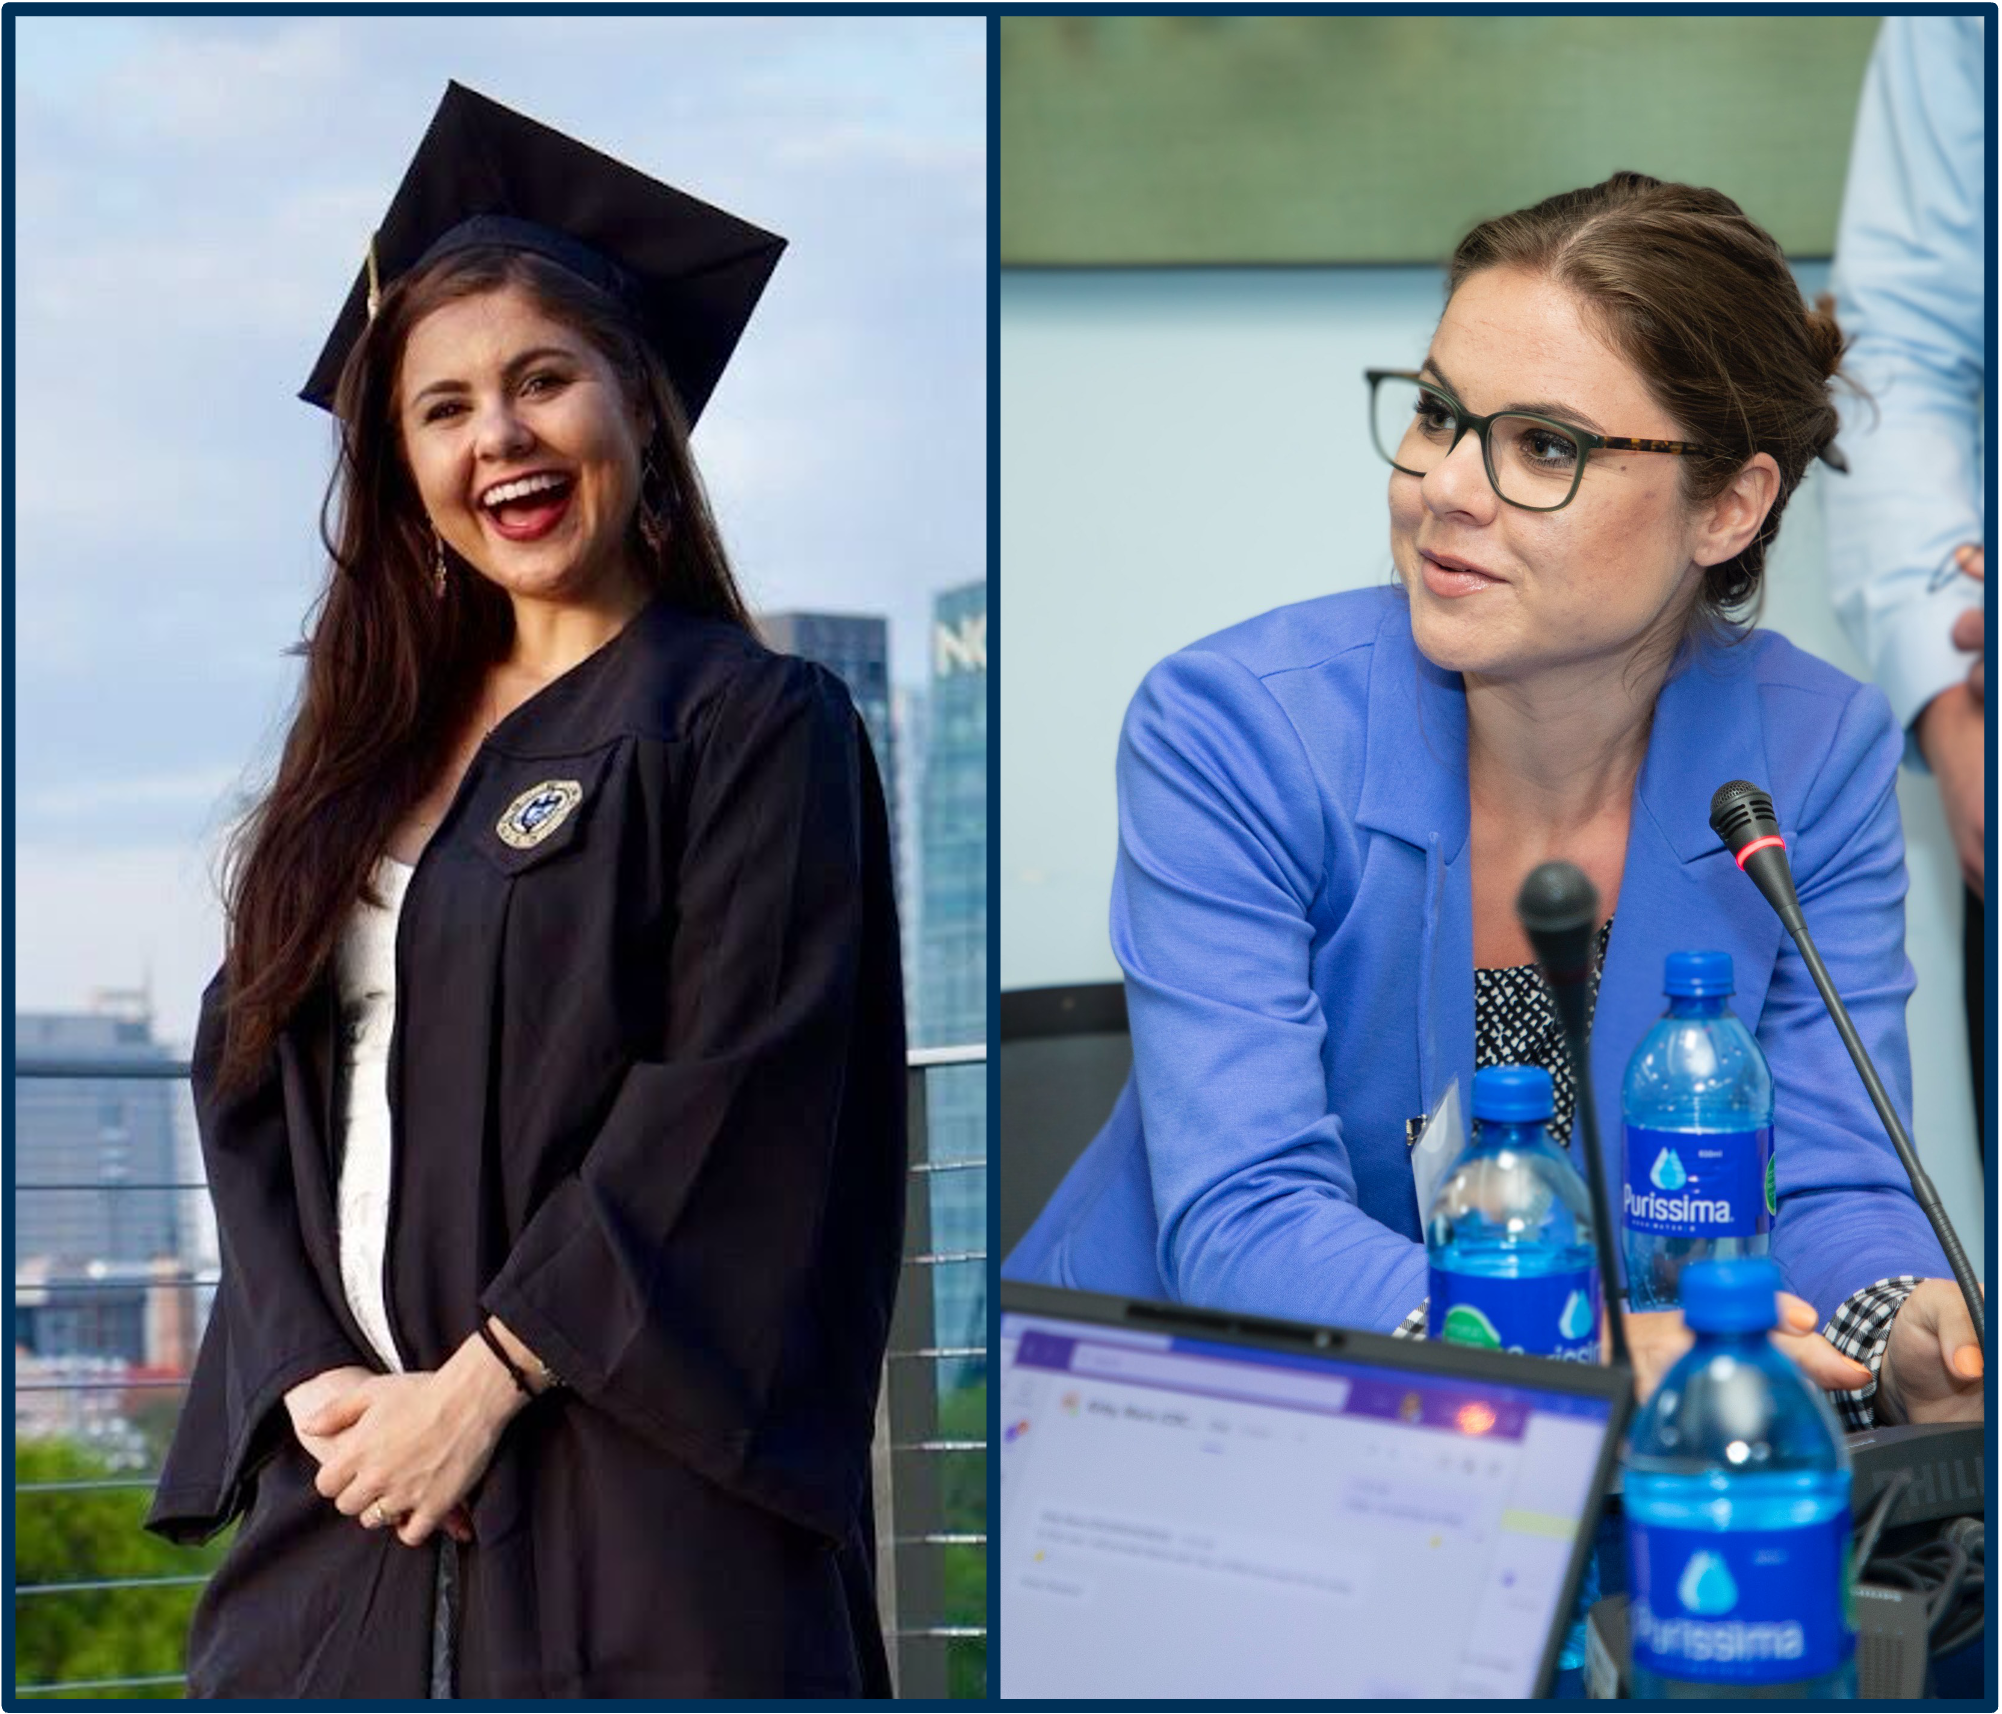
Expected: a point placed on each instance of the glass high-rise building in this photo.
(953, 949)
(907, 716)
(113, 1138)
(96, 1218)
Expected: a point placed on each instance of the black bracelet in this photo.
(506, 1362)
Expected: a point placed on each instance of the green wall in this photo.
(1134, 140)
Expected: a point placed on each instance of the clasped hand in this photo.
(1932, 1365)
(1931, 1370)
(1657, 1338)
(406, 1447)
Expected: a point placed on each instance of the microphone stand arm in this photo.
(1602, 1208)
(1922, 1185)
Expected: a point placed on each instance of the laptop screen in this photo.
(1190, 1517)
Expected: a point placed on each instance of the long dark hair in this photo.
(393, 668)
(1699, 298)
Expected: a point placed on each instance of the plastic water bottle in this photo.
(1511, 1249)
(1737, 1506)
(1509, 1236)
(1698, 1103)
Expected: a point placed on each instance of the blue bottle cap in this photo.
(1698, 975)
(1730, 1297)
(1513, 1094)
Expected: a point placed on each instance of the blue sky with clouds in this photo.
(192, 199)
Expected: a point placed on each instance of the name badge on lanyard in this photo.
(1438, 1146)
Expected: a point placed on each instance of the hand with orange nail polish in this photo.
(1656, 1338)
(1932, 1366)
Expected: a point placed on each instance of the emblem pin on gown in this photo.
(538, 813)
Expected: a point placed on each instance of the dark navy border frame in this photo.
(96, 8)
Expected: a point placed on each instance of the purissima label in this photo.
(1544, 1315)
(1740, 1606)
(1697, 1184)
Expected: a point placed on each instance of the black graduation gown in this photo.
(648, 1091)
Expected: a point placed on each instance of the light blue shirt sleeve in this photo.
(1910, 294)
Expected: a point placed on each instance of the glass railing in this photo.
(101, 1608)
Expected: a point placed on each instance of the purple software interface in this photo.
(1182, 1518)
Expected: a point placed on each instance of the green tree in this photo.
(67, 1536)
(963, 1416)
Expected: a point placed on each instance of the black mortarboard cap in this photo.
(691, 273)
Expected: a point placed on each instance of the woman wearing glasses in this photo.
(1326, 813)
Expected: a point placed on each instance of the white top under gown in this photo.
(365, 980)
(365, 976)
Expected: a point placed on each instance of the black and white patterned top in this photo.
(1516, 1023)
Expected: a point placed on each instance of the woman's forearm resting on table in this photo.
(1934, 1376)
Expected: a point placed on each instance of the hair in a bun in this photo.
(1824, 336)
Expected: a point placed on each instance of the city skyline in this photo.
(183, 234)
(886, 714)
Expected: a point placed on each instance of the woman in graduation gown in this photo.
(551, 1091)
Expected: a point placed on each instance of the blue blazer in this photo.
(1294, 911)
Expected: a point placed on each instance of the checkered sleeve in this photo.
(1413, 1325)
(1860, 1328)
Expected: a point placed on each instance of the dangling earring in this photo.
(653, 530)
(437, 564)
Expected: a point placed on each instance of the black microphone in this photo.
(1559, 911)
(1742, 816)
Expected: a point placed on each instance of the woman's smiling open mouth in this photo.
(526, 508)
